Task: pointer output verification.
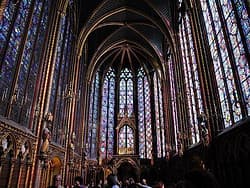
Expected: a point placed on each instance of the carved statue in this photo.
(46, 139)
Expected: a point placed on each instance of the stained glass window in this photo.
(107, 115)
(174, 104)
(10, 50)
(144, 115)
(126, 93)
(93, 118)
(58, 64)
(126, 140)
(126, 134)
(29, 63)
(23, 29)
(227, 25)
(6, 24)
(159, 118)
(61, 90)
(192, 83)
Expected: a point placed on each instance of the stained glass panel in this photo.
(58, 65)
(159, 118)
(122, 97)
(62, 70)
(27, 63)
(192, 83)
(239, 55)
(111, 115)
(130, 96)
(244, 20)
(27, 51)
(144, 112)
(148, 119)
(93, 118)
(220, 51)
(107, 115)
(126, 140)
(174, 104)
(126, 93)
(9, 60)
(5, 24)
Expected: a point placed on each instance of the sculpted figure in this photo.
(46, 140)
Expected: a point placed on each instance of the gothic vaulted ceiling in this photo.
(125, 32)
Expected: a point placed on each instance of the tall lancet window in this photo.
(126, 93)
(107, 115)
(93, 119)
(192, 83)
(144, 115)
(159, 118)
(60, 90)
(174, 128)
(23, 28)
(228, 30)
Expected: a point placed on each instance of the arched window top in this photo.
(141, 73)
(126, 74)
(110, 74)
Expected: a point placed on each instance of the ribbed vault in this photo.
(125, 31)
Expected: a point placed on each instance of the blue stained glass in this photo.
(107, 115)
(173, 103)
(26, 60)
(13, 49)
(111, 116)
(192, 83)
(158, 117)
(226, 7)
(130, 97)
(238, 50)
(126, 92)
(122, 100)
(144, 112)
(215, 15)
(57, 66)
(162, 127)
(126, 140)
(224, 71)
(93, 117)
(5, 23)
(235, 39)
(244, 20)
(19, 23)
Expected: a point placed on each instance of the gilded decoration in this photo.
(18, 140)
